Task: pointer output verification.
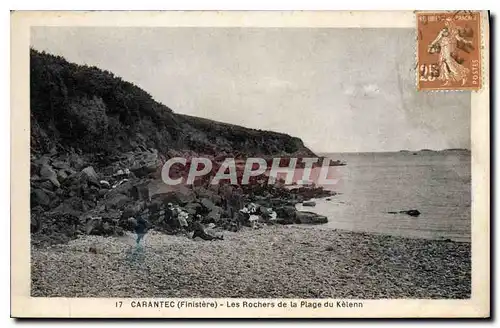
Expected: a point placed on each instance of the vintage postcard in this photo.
(212, 164)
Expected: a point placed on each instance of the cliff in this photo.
(92, 111)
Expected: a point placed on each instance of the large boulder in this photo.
(181, 195)
(310, 218)
(286, 212)
(73, 206)
(91, 175)
(145, 163)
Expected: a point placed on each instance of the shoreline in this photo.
(272, 262)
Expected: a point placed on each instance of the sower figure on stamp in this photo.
(446, 43)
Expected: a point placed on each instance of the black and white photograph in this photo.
(248, 163)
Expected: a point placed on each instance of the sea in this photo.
(436, 183)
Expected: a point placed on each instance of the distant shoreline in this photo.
(402, 151)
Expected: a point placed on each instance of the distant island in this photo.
(425, 150)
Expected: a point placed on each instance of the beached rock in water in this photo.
(409, 212)
(310, 218)
(309, 203)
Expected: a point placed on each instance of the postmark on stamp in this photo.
(448, 50)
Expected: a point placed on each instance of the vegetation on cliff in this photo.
(93, 111)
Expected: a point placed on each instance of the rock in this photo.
(71, 206)
(39, 197)
(61, 165)
(105, 184)
(193, 208)
(47, 185)
(285, 212)
(61, 175)
(208, 204)
(35, 224)
(102, 227)
(328, 199)
(115, 200)
(118, 173)
(93, 226)
(47, 173)
(145, 163)
(310, 218)
(182, 195)
(92, 175)
(44, 160)
(210, 194)
(141, 192)
(76, 161)
(214, 215)
(411, 212)
(123, 187)
(309, 203)
(132, 210)
(329, 248)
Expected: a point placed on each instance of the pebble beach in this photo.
(271, 262)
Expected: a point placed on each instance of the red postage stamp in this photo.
(449, 50)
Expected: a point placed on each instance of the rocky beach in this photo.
(98, 145)
(272, 262)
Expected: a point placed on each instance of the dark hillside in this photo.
(88, 110)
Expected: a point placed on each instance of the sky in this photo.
(339, 90)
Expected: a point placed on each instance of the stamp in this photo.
(449, 50)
